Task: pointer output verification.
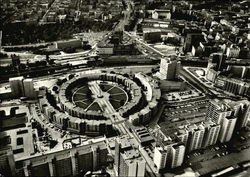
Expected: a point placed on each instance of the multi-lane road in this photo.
(146, 46)
(194, 81)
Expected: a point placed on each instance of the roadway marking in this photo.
(89, 106)
(80, 93)
(102, 97)
(114, 100)
(114, 94)
(110, 88)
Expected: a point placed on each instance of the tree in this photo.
(52, 143)
(55, 88)
(59, 82)
(87, 47)
(69, 50)
(71, 76)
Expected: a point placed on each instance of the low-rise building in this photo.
(105, 49)
(161, 14)
(73, 43)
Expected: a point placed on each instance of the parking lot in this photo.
(181, 96)
(179, 115)
(50, 132)
(209, 153)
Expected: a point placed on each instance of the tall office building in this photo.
(7, 162)
(29, 90)
(235, 86)
(16, 85)
(218, 59)
(169, 69)
(1, 39)
(227, 129)
(217, 110)
(182, 134)
(243, 114)
(22, 87)
(192, 39)
(121, 144)
(220, 109)
(231, 115)
(177, 155)
(169, 154)
(132, 164)
(160, 157)
(211, 134)
(196, 135)
(128, 161)
(15, 61)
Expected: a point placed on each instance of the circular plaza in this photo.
(91, 104)
(93, 95)
(99, 95)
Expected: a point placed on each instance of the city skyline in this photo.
(126, 88)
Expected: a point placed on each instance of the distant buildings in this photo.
(161, 14)
(21, 87)
(217, 61)
(155, 23)
(242, 72)
(192, 39)
(233, 85)
(232, 79)
(233, 51)
(153, 35)
(115, 46)
(211, 75)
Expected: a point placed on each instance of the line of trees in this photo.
(22, 33)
